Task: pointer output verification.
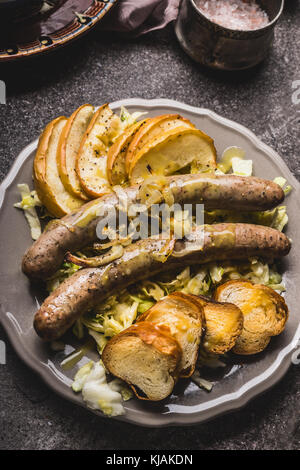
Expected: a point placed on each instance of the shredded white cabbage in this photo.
(127, 118)
(241, 167)
(287, 188)
(280, 181)
(81, 376)
(276, 218)
(119, 386)
(111, 317)
(203, 383)
(233, 160)
(77, 329)
(63, 273)
(152, 290)
(28, 204)
(91, 381)
(207, 360)
(225, 164)
(280, 218)
(118, 125)
(210, 360)
(100, 339)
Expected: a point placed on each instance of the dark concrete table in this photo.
(102, 68)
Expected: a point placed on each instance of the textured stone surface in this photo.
(103, 68)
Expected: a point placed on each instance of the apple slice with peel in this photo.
(154, 127)
(92, 155)
(116, 156)
(180, 149)
(68, 147)
(48, 184)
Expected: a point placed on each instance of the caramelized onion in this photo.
(96, 261)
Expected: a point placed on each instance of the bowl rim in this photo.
(229, 30)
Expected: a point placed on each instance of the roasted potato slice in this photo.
(146, 357)
(116, 156)
(265, 313)
(224, 324)
(154, 127)
(68, 147)
(184, 316)
(173, 151)
(48, 185)
(92, 155)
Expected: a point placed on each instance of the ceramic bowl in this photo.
(218, 47)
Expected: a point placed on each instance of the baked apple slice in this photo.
(154, 127)
(116, 156)
(48, 184)
(68, 147)
(91, 163)
(179, 150)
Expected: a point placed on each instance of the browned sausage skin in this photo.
(231, 192)
(89, 286)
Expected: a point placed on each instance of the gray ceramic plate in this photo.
(235, 385)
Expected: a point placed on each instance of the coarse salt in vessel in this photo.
(243, 15)
(227, 34)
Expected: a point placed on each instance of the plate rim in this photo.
(221, 405)
(64, 40)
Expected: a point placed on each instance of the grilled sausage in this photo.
(89, 286)
(78, 230)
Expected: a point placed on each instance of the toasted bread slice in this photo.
(116, 157)
(224, 324)
(92, 155)
(48, 185)
(265, 313)
(180, 148)
(146, 357)
(68, 147)
(154, 127)
(185, 319)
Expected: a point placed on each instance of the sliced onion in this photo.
(122, 198)
(151, 190)
(55, 222)
(167, 249)
(168, 196)
(96, 261)
(119, 241)
(190, 247)
(104, 246)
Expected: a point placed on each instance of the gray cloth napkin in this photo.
(129, 16)
(141, 16)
